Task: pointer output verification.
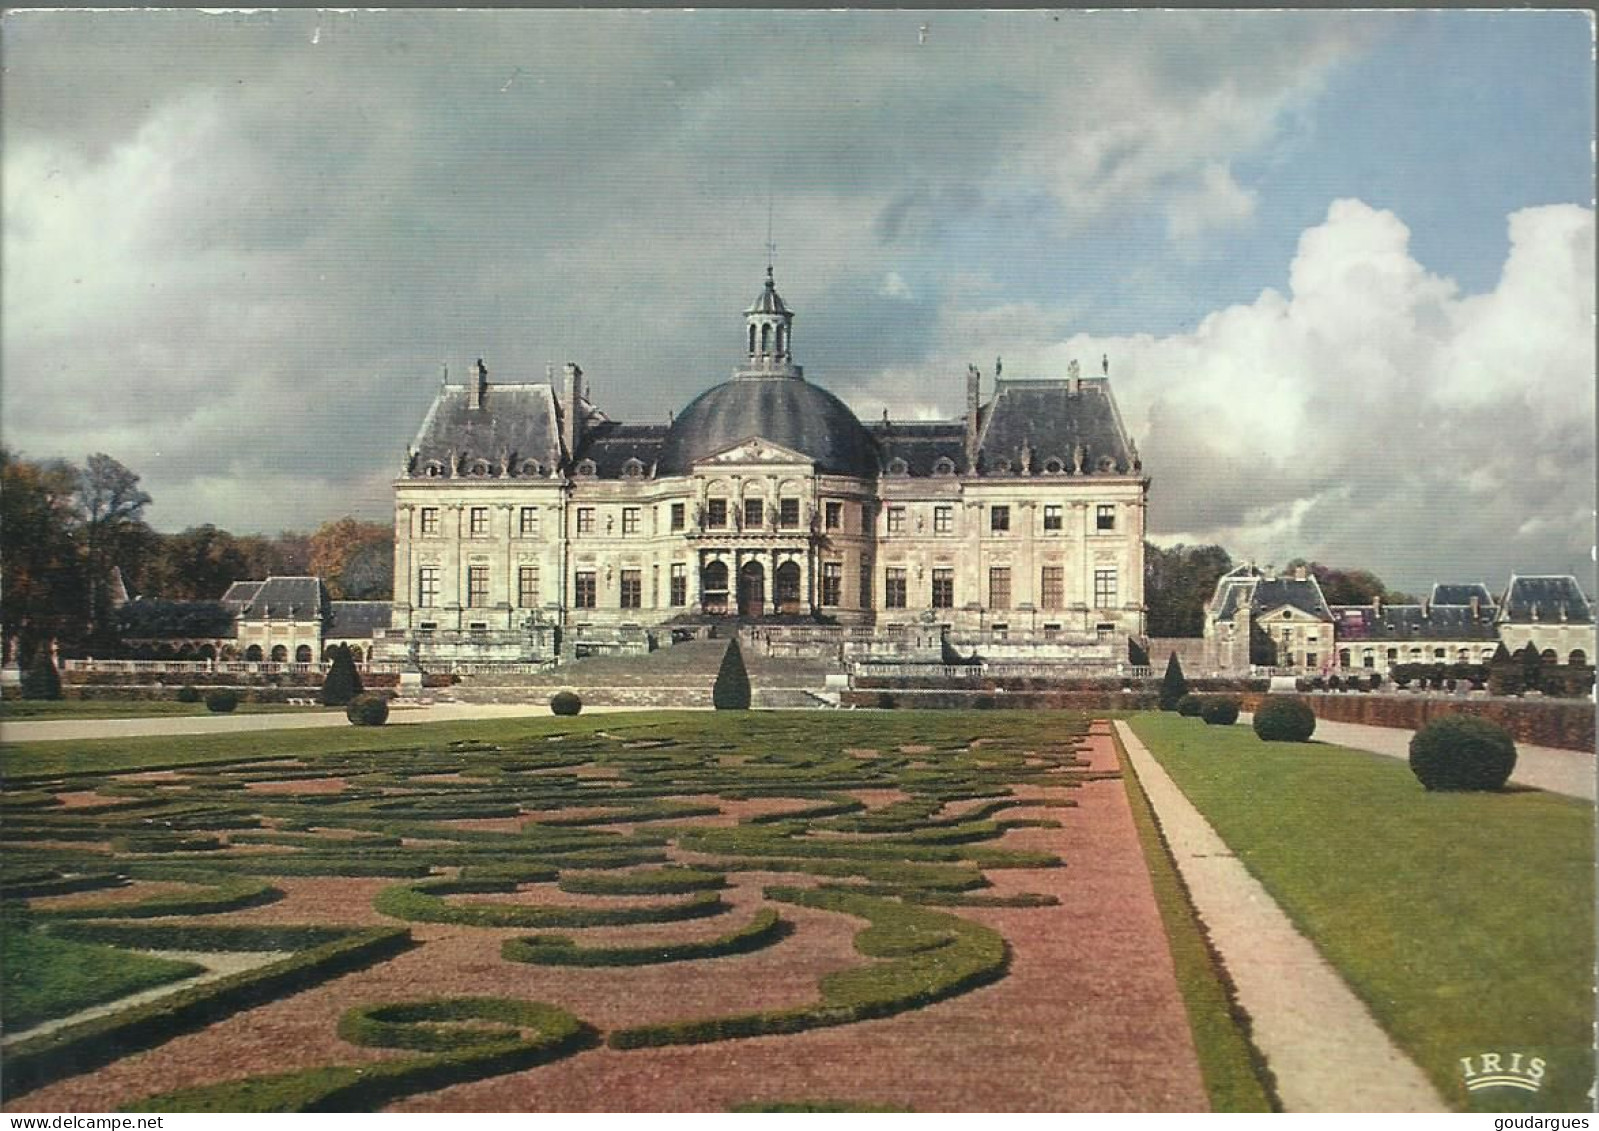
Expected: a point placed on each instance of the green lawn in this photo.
(42, 710)
(1464, 921)
(45, 978)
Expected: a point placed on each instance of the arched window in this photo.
(1578, 658)
(944, 466)
(632, 469)
(208, 652)
(302, 654)
(585, 469)
(897, 466)
(1550, 656)
(280, 653)
(766, 337)
(752, 337)
(782, 340)
(532, 467)
(252, 654)
(1053, 466)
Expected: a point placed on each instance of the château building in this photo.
(530, 525)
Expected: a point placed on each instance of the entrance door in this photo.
(786, 587)
(751, 589)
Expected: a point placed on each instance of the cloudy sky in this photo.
(1342, 263)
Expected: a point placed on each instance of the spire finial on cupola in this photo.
(768, 324)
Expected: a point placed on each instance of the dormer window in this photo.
(479, 468)
(897, 466)
(433, 470)
(1001, 467)
(632, 469)
(1053, 466)
(944, 466)
(532, 467)
(586, 469)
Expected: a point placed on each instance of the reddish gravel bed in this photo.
(299, 785)
(1089, 1019)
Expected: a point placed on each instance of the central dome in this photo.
(785, 410)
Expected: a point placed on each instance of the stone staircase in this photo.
(679, 676)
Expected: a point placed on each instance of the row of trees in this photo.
(65, 529)
(1179, 581)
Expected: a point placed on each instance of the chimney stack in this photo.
(571, 422)
(1476, 607)
(974, 396)
(475, 384)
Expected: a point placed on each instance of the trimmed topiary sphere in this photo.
(188, 693)
(221, 701)
(1220, 711)
(368, 710)
(1285, 720)
(1189, 706)
(1461, 752)
(565, 703)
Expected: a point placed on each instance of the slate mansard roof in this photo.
(349, 620)
(1444, 593)
(1250, 586)
(1415, 622)
(515, 431)
(1544, 599)
(283, 598)
(1045, 423)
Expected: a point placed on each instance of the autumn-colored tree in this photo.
(354, 559)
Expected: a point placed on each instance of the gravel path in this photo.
(1321, 1043)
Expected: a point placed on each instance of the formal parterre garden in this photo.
(776, 911)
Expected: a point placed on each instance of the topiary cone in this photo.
(732, 690)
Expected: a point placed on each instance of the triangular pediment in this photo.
(758, 450)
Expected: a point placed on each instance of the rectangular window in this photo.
(679, 516)
(943, 520)
(679, 585)
(943, 589)
(477, 586)
(999, 587)
(715, 513)
(1052, 587)
(427, 587)
(1104, 588)
(753, 514)
(585, 520)
(479, 522)
(788, 513)
(527, 587)
(1105, 516)
(835, 516)
(832, 583)
(430, 522)
(896, 520)
(1052, 518)
(894, 589)
(999, 520)
(630, 520)
(865, 583)
(632, 589)
(528, 523)
(585, 590)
